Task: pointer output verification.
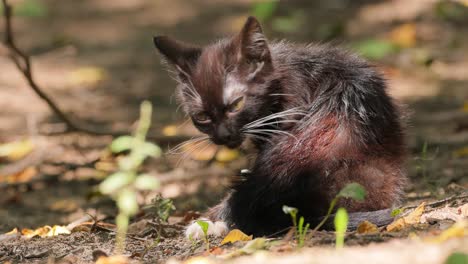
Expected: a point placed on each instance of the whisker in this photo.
(274, 123)
(280, 94)
(202, 144)
(276, 115)
(258, 136)
(180, 146)
(272, 131)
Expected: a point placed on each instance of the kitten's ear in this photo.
(182, 56)
(253, 42)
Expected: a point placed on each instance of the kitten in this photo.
(319, 117)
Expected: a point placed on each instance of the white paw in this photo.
(217, 229)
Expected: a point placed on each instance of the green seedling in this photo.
(123, 185)
(396, 212)
(301, 232)
(160, 208)
(204, 226)
(353, 190)
(299, 228)
(341, 225)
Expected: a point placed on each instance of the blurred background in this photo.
(96, 59)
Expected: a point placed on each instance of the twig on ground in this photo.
(22, 61)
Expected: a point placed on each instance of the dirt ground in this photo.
(113, 41)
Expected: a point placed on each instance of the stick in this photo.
(23, 63)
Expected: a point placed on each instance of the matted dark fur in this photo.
(327, 121)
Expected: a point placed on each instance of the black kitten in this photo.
(319, 117)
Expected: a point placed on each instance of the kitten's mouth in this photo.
(230, 144)
(233, 145)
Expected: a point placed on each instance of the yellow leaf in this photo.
(404, 35)
(459, 229)
(465, 105)
(45, 231)
(16, 150)
(12, 232)
(87, 76)
(367, 227)
(170, 130)
(234, 236)
(226, 154)
(461, 152)
(58, 230)
(411, 219)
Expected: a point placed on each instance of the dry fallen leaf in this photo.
(465, 107)
(234, 236)
(170, 130)
(87, 76)
(411, 219)
(459, 229)
(444, 213)
(404, 35)
(461, 152)
(367, 227)
(23, 176)
(16, 150)
(226, 155)
(45, 231)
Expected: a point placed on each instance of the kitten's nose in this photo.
(224, 134)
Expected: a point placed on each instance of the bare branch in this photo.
(23, 62)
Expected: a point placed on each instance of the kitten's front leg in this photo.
(217, 219)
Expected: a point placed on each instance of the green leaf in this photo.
(375, 49)
(122, 143)
(115, 182)
(127, 202)
(146, 182)
(300, 226)
(264, 10)
(30, 8)
(150, 149)
(289, 24)
(127, 163)
(204, 226)
(396, 212)
(457, 258)
(341, 225)
(354, 191)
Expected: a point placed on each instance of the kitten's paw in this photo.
(217, 229)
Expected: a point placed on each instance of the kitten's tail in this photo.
(379, 218)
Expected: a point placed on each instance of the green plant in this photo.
(396, 212)
(123, 185)
(457, 258)
(353, 190)
(160, 208)
(264, 10)
(301, 232)
(204, 226)
(341, 225)
(299, 228)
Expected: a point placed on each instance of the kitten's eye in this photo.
(237, 105)
(201, 117)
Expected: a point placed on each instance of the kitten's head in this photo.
(224, 86)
